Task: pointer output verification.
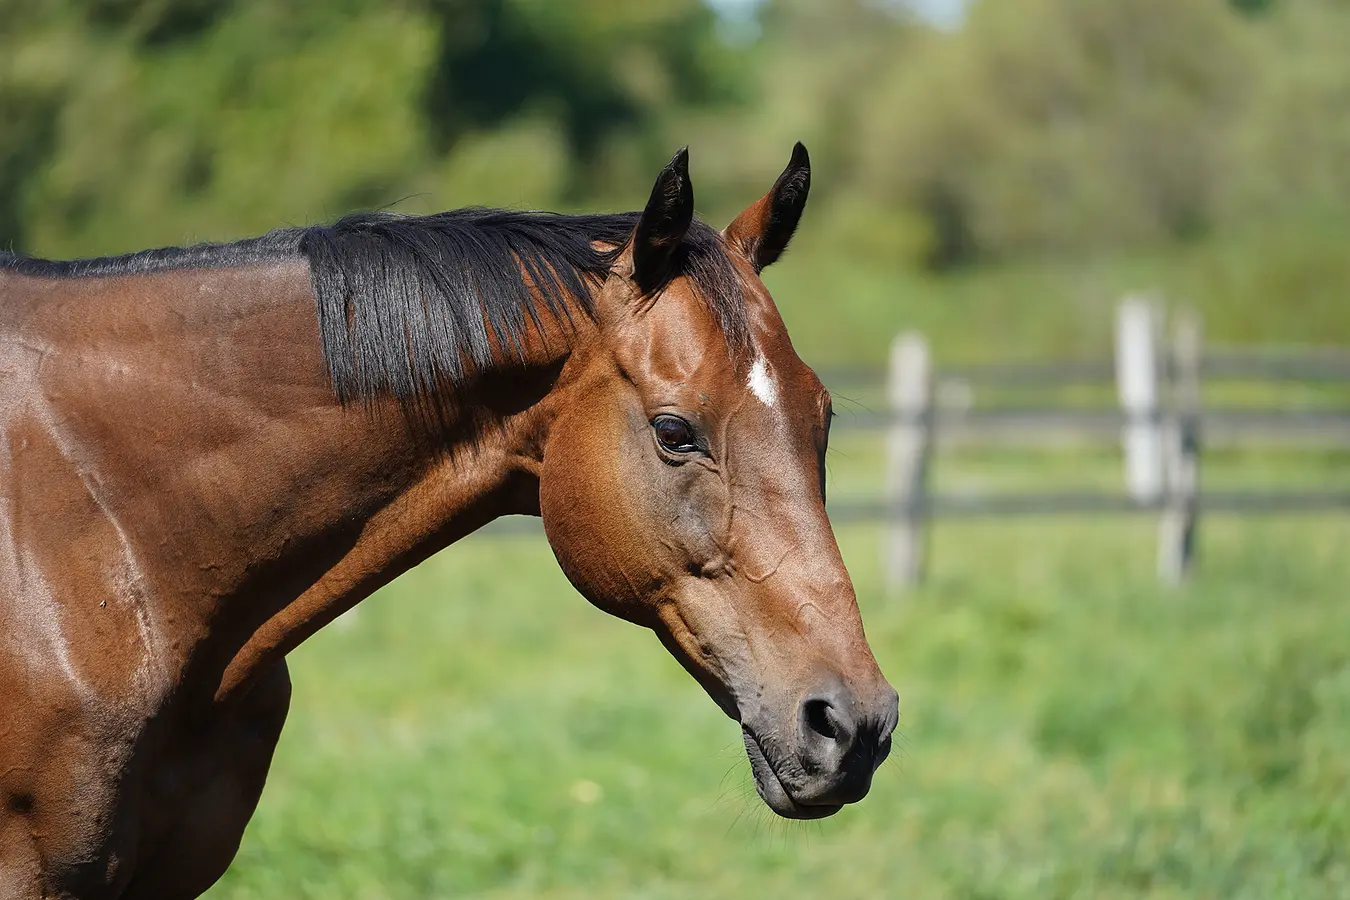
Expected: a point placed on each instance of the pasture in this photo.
(1068, 728)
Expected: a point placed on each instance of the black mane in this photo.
(410, 303)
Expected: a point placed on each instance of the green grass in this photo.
(1068, 729)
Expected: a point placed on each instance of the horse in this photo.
(208, 453)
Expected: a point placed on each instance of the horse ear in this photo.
(762, 232)
(661, 230)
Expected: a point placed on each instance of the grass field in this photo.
(1068, 729)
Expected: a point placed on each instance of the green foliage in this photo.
(1062, 128)
(1057, 129)
(163, 121)
(1292, 147)
(597, 67)
(1061, 125)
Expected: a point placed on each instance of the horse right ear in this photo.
(762, 232)
(663, 224)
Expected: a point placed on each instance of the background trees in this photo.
(1040, 130)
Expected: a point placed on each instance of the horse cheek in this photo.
(591, 502)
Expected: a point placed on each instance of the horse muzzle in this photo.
(827, 757)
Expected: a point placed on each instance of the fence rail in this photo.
(1309, 366)
(1015, 503)
(1097, 419)
(1160, 423)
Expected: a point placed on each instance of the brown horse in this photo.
(206, 454)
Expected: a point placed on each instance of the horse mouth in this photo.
(771, 789)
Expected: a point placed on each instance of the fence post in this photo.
(1176, 533)
(1137, 384)
(909, 392)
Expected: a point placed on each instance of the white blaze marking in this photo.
(761, 383)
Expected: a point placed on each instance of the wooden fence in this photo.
(1158, 419)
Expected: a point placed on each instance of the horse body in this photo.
(96, 642)
(184, 497)
(179, 484)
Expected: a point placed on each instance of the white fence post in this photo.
(1176, 533)
(1137, 384)
(909, 391)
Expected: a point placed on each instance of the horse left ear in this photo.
(762, 232)
(663, 224)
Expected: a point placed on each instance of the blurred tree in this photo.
(36, 62)
(1061, 125)
(1039, 127)
(151, 121)
(1293, 143)
(154, 21)
(598, 65)
(25, 142)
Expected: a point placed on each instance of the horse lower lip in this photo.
(771, 789)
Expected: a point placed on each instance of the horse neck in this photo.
(281, 507)
(409, 485)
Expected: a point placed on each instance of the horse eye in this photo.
(674, 434)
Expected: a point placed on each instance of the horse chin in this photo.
(770, 787)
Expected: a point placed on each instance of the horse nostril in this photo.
(820, 719)
(827, 724)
